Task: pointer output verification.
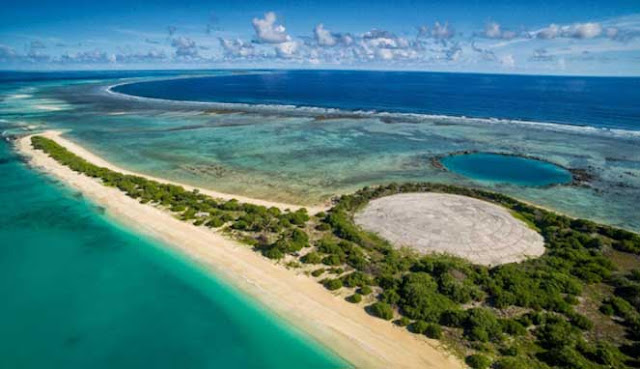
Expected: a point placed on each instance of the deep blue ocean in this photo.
(592, 101)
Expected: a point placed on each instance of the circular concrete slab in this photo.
(476, 230)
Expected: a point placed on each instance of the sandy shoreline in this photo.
(364, 341)
(95, 159)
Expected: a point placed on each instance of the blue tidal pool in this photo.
(507, 169)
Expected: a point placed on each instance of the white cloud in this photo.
(185, 47)
(88, 57)
(494, 30)
(438, 31)
(323, 36)
(287, 50)
(577, 30)
(237, 48)
(584, 30)
(548, 33)
(507, 61)
(268, 31)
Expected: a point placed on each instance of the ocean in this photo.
(305, 136)
(80, 290)
(585, 101)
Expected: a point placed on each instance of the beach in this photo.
(363, 340)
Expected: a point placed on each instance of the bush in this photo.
(355, 298)
(419, 326)
(333, 284)
(433, 331)
(311, 258)
(403, 322)
(478, 361)
(512, 363)
(273, 253)
(214, 222)
(357, 279)
(365, 290)
(481, 325)
(420, 300)
(512, 327)
(580, 321)
(318, 272)
(453, 318)
(556, 332)
(381, 310)
(332, 260)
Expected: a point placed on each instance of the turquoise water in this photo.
(506, 169)
(298, 155)
(80, 291)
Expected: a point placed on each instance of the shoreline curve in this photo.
(362, 340)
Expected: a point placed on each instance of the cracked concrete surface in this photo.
(476, 230)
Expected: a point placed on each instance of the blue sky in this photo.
(547, 37)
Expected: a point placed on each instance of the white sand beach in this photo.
(361, 339)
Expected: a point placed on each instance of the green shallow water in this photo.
(80, 291)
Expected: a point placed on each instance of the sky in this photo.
(566, 37)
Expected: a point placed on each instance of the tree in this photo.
(311, 258)
(433, 330)
(478, 361)
(381, 310)
(333, 284)
(420, 299)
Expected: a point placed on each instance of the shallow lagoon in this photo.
(511, 169)
(302, 156)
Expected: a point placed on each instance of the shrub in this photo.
(299, 239)
(214, 222)
(433, 331)
(512, 327)
(323, 227)
(355, 298)
(580, 321)
(419, 326)
(481, 325)
(317, 272)
(555, 332)
(420, 300)
(273, 253)
(478, 361)
(381, 310)
(453, 318)
(512, 363)
(365, 290)
(331, 260)
(311, 258)
(333, 284)
(403, 322)
(356, 279)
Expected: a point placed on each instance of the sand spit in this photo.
(364, 341)
(97, 160)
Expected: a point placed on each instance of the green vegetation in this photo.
(478, 361)
(534, 314)
(333, 284)
(382, 310)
